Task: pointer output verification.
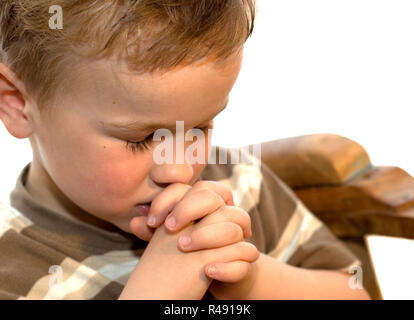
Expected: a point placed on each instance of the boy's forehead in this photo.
(190, 84)
(200, 88)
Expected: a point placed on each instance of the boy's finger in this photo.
(164, 203)
(231, 272)
(221, 189)
(242, 250)
(138, 226)
(211, 236)
(231, 214)
(193, 206)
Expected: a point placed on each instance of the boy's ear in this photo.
(13, 104)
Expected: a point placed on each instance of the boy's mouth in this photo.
(143, 209)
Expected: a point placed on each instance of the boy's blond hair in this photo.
(149, 35)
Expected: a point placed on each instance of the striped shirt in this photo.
(46, 255)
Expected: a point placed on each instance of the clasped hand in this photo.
(205, 219)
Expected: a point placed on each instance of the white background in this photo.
(344, 67)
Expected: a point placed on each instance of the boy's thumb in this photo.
(139, 227)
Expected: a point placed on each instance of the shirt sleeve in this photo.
(293, 234)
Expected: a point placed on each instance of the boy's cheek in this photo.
(98, 185)
(114, 181)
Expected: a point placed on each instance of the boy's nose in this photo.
(172, 173)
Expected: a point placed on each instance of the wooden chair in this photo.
(336, 180)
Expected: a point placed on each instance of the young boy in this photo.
(90, 97)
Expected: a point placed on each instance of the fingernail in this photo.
(185, 241)
(152, 221)
(212, 270)
(171, 223)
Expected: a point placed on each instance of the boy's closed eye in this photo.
(146, 144)
(140, 146)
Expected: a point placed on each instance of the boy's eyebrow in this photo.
(134, 126)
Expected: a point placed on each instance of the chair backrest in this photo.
(336, 180)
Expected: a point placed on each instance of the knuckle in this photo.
(236, 214)
(202, 184)
(210, 195)
(227, 190)
(236, 271)
(224, 212)
(235, 231)
(226, 187)
(205, 192)
(244, 216)
(230, 195)
(249, 250)
(209, 185)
